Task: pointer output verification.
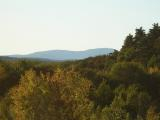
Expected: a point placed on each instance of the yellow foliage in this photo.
(152, 70)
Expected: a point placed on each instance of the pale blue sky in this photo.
(34, 25)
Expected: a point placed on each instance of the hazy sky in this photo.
(35, 25)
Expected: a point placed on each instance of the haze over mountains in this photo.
(66, 54)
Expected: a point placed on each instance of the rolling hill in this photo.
(66, 54)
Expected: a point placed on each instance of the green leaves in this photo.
(128, 73)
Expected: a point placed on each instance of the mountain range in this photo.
(65, 54)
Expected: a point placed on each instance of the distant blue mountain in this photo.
(66, 54)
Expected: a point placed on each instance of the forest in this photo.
(124, 85)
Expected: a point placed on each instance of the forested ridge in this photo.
(124, 85)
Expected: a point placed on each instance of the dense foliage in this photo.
(124, 85)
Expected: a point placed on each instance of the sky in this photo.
(27, 26)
